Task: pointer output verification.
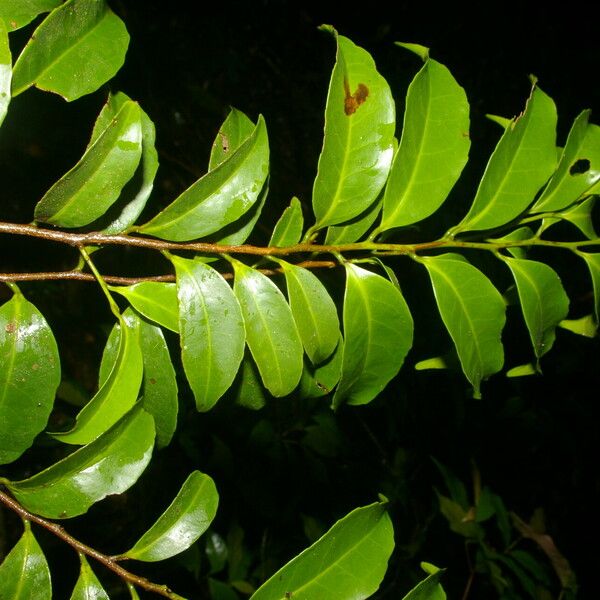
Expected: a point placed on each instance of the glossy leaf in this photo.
(24, 574)
(523, 160)
(433, 149)
(358, 141)
(271, 332)
(585, 326)
(155, 300)
(5, 70)
(320, 380)
(351, 231)
(211, 328)
(250, 391)
(88, 587)
(578, 169)
(76, 49)
(580, 215)
(473, 312)
(184, 521)
(314, 312)
(92, 186)
(428, 589)
(517, 235)
(118, 390)
(288, 229)
(543, 301)
(29, 376)
(221, 197)
(18, 13)
(109, 465)
(347, 563)
(593, 263)
(236, 129)
(378, 333)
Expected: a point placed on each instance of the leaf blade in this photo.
(17, 14)
(87, 586)
(288, 229)
(236, 128)
(5, 70)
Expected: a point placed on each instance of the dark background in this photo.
(535, 440)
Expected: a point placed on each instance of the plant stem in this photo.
(111, 301)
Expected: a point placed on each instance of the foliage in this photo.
(250, 340)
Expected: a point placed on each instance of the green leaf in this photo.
(219, 198)
(523, 160)
(320, 380)
(428, 589)
(288, 230)
(29, 376)
(118, 387)
(93, 185)
(358, 142)
(518, 235)
(155, 300)
(348, 562)
(457, 489)
(110, 464)
(182, 523)
(593, 263)
(76, 49)
(351, 231)
(271, 332)
(459, 519)
(236, 129)
(378, 333)
(250, 391)
(579, 215)
(24, 574)
(578, 169)
(585, 326)
(88, 587)
(221, 591)
(314, 312)
(433, 149)
(522, 370)
(211, 328)
(543, 301)
(5, 70)
(473, 312)
(18, 13)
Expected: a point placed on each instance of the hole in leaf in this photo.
(580, 166)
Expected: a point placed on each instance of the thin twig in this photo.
(105, 560)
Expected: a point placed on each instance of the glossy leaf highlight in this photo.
(5, 70)
(87, 586)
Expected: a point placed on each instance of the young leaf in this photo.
(88, 190)
(5, 70)
(184, 521)
(250, 391)
(236, 129)
(17, 13)
(578, 169)
(433, 149)
(88, 587)
(76, 49)
(378, 333)
(428, 589)
(118, 390)
(347, 563)
(211, 328)
(29, 376)
(314, 312)
(219, 198)
(358, 142)
(110, 464)
(543, 301)
(523, 160)
(473, 311)
(24, 574)
(270, 330)
(320, 380)
(155, 300)
(288, 230)
(593, 263)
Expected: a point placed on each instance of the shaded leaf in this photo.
(348, 562)
(88, 587)
(219, 198)
(579, 215)
(378, 333)
(235, 130)
(518, 235)
(221, 591)
(320, 380)
(18, 13)
(182, 523)
(358, 141)
(69, 53)
(92, 186)
(351, 231)
(523, 160)
(473, 312)
(5, 70)
(428, 589)
(459, 519)
(29, 376)
(433, 149)
(578, 169)
(543, 301)
(216, 551)
(593, 263)
(250, 391)
(119, 386)
(457, 489)
(271, 332)
(211, 328)
(288, 229)
(24, 574)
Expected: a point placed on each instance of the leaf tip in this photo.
(418, 49)
(329, 29)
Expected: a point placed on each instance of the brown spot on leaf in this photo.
(224, 142)
(353, 101)
(10, 328)
(152, 380)
(13, 24)
(35, 367)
